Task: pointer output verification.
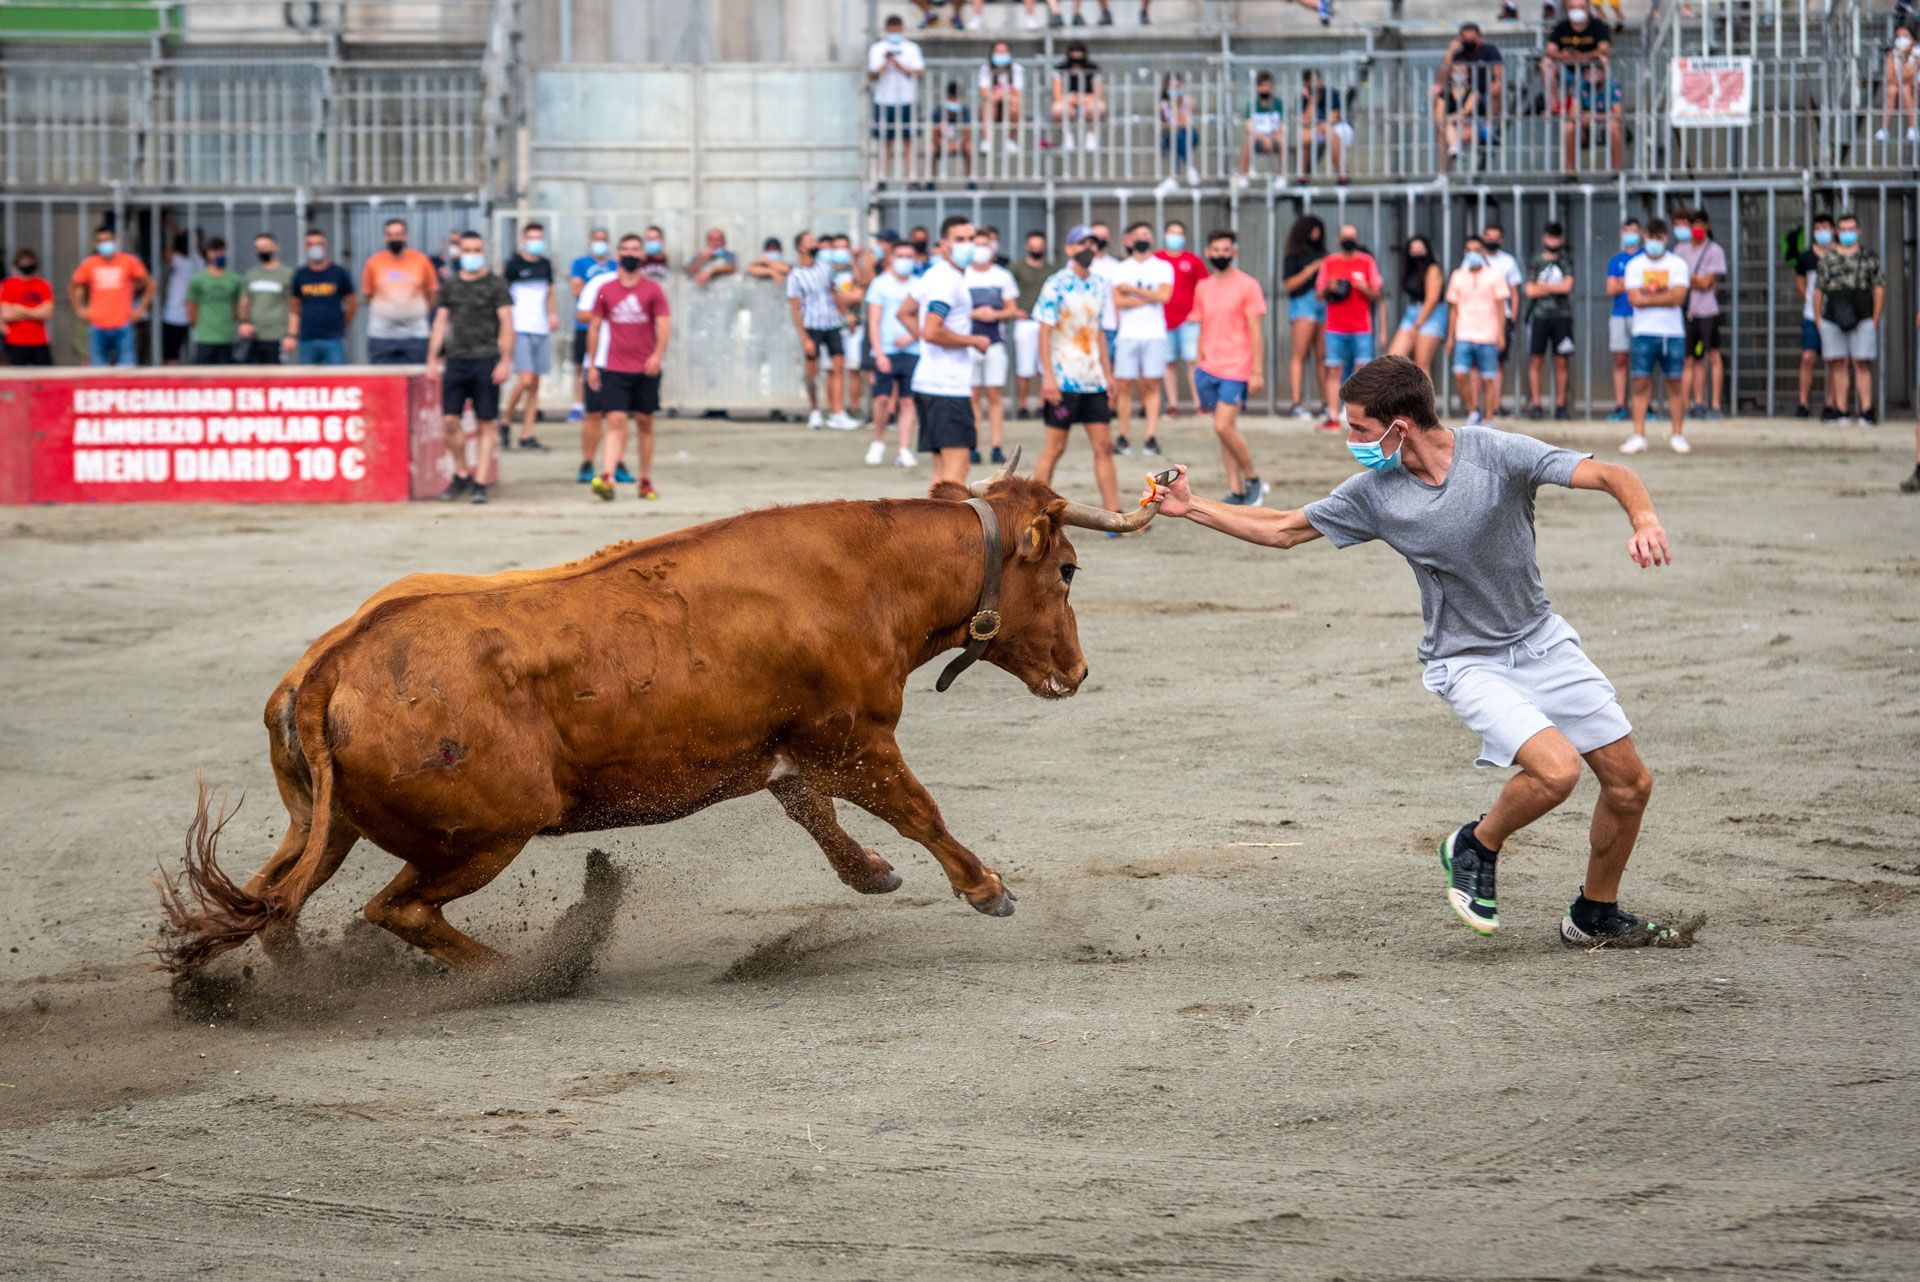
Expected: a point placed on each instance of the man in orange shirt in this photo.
(110, 291)
(401, 286)
(1231, 308)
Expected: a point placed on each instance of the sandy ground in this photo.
(1232, 1031)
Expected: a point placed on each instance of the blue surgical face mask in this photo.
(1655, 248)
(1629, 240)
(106, 249)
(902, 265)
(963, 253)
(217, 260)
(1683, 234)
(842, 256)
(651, 246)
(473, 262)
(537, 247)
(1175, 242)
(1849, 238)
(1003, 60)
(1368, 453)
(600, 249)
(896, 37)
(1821, 236)
(1474, 260)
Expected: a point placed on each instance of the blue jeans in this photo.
(1478, 358)
(396, 351)
(1215, 391)
(110, 347)
(1179, 141)
(1649, 350)
(320, 351)
(1348, 352)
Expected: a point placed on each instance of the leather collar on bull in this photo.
(984, 626)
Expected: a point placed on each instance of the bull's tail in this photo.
(205, 912)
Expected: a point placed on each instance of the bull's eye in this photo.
(1067, 569)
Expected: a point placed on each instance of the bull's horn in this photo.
(979, 488)
(1098, 518)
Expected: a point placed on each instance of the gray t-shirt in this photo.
(1469, 539)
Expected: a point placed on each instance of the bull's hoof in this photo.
(1001, 905)
(885, 884)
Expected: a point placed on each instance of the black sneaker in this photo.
(1106, 17)
(534, 443)
(506, 435)
(1152, 446)
(1829, 415)
(1912, 484)
(1022, 414)
(479, 494)
(1121, 445)
(1536, 412)
(460, 486)
(1470, 882)
(973, 456)
(998, 456)
(1801, 411)
(1607, 926)
(1869, 417)
(1562, 414)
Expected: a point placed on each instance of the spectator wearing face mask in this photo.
(400, 285)
(816, 316)
(536, 318)
(1656, 282)
(994, 293)
(1079, 98)
(1494, 237)
(1597, 106)
(1423, 324)
(1477, 301)
(184, 262)
(1576, 40)
(213, 307)
(654, 263)
(713, 261)
(1306, 311)
(1620, 317)
(1322, 127)
(1903, 85)
(1849, 298)
(1183, 327)
(1706, 266)
(110, 292)
(895, 352)
(1481, 89)
(953, 134)
(596, 262)
(1104, 266)
(1806, 275)
(1549, 288)
(26, 309)
(1350, 283)
(1264, 133)
(1232, 309)
(771, 264)
(322, 306)
(1456, 109)
(268, 287)
(850, 278)
(1179, 135)
(1142, 288)
(894, 67)
(630, 310)
(922, 251)
(1002, 84)
(1030, 273)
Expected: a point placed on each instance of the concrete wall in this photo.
(691, 32)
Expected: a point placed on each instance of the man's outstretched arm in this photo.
(1261, 525)
(1648, 546)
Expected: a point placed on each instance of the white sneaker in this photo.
(841, 423)
(1879, 135)
(1634, 445)
(1013, 147)
(1913, 134)
(816, 421)
(1193, 176)
(1066, 140)
(986, 144)
(1279, 182)
(1474, 419)
(1238, 182)
(876, 453)
(904, 458)
(1680, 444)
(1031, 21)
(1168, 185)
(1093, 141)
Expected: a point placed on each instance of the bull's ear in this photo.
(948, 490)
(1038, 539)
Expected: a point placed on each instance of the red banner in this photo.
(212, 436)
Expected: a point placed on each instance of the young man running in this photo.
(1457, 503)
(1231, 309)
(633, 309)
(1075, 369)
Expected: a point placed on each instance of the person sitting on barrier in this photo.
(1576, 40)
(953, 135)
(714, 261)
(26, 305)
(1458, 105)
(1002, 83)
(772, 263)
(110, 292)
(1079, 97)
(1322, 127)
(1597, 105)
(1264, 132)
(473, 329)
(1486, 80)
(213, 306)
(1179, 136)
(1903, 85)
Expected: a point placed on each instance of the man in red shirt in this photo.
(26, 304)
(1183, 328)
(1349, 282)
(632, 309)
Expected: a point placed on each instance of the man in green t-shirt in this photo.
(263, 305)
(473, 331)
(1549, 287)
(213, 304)
(1030, 274)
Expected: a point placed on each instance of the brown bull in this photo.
(455, 717)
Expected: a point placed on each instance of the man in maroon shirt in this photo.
(632, 311)
(1183, 328)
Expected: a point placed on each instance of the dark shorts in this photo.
(24, 354)
(624, 393)
(1703, 335)
(1077, 407)
(396, 351)
(213, 354)
(893, 121)
(470, 378)
(173, 341)
(946, 423)
(828, 342)
(1546, 333)
(580, 347)
(1809, 335)
(901, 380)
(260, 351)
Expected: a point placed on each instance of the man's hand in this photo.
(1049, 390)
(1257, 384)
(883, 363)
(434, 367)
(593, 377)
(1175, 499)
(979, 342)
(811, 348)
(289, 343)
(1648, 547)
(652, 368)
(246, 329)
(502, 370)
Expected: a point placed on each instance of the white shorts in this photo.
(853, 341)
(1838, 344)
(1139, 357)
(1545, 680)
(1619, 334)
(1184, 342)
(1026, 349)
(990, 366)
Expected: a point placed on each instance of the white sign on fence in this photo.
(1710, 92)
